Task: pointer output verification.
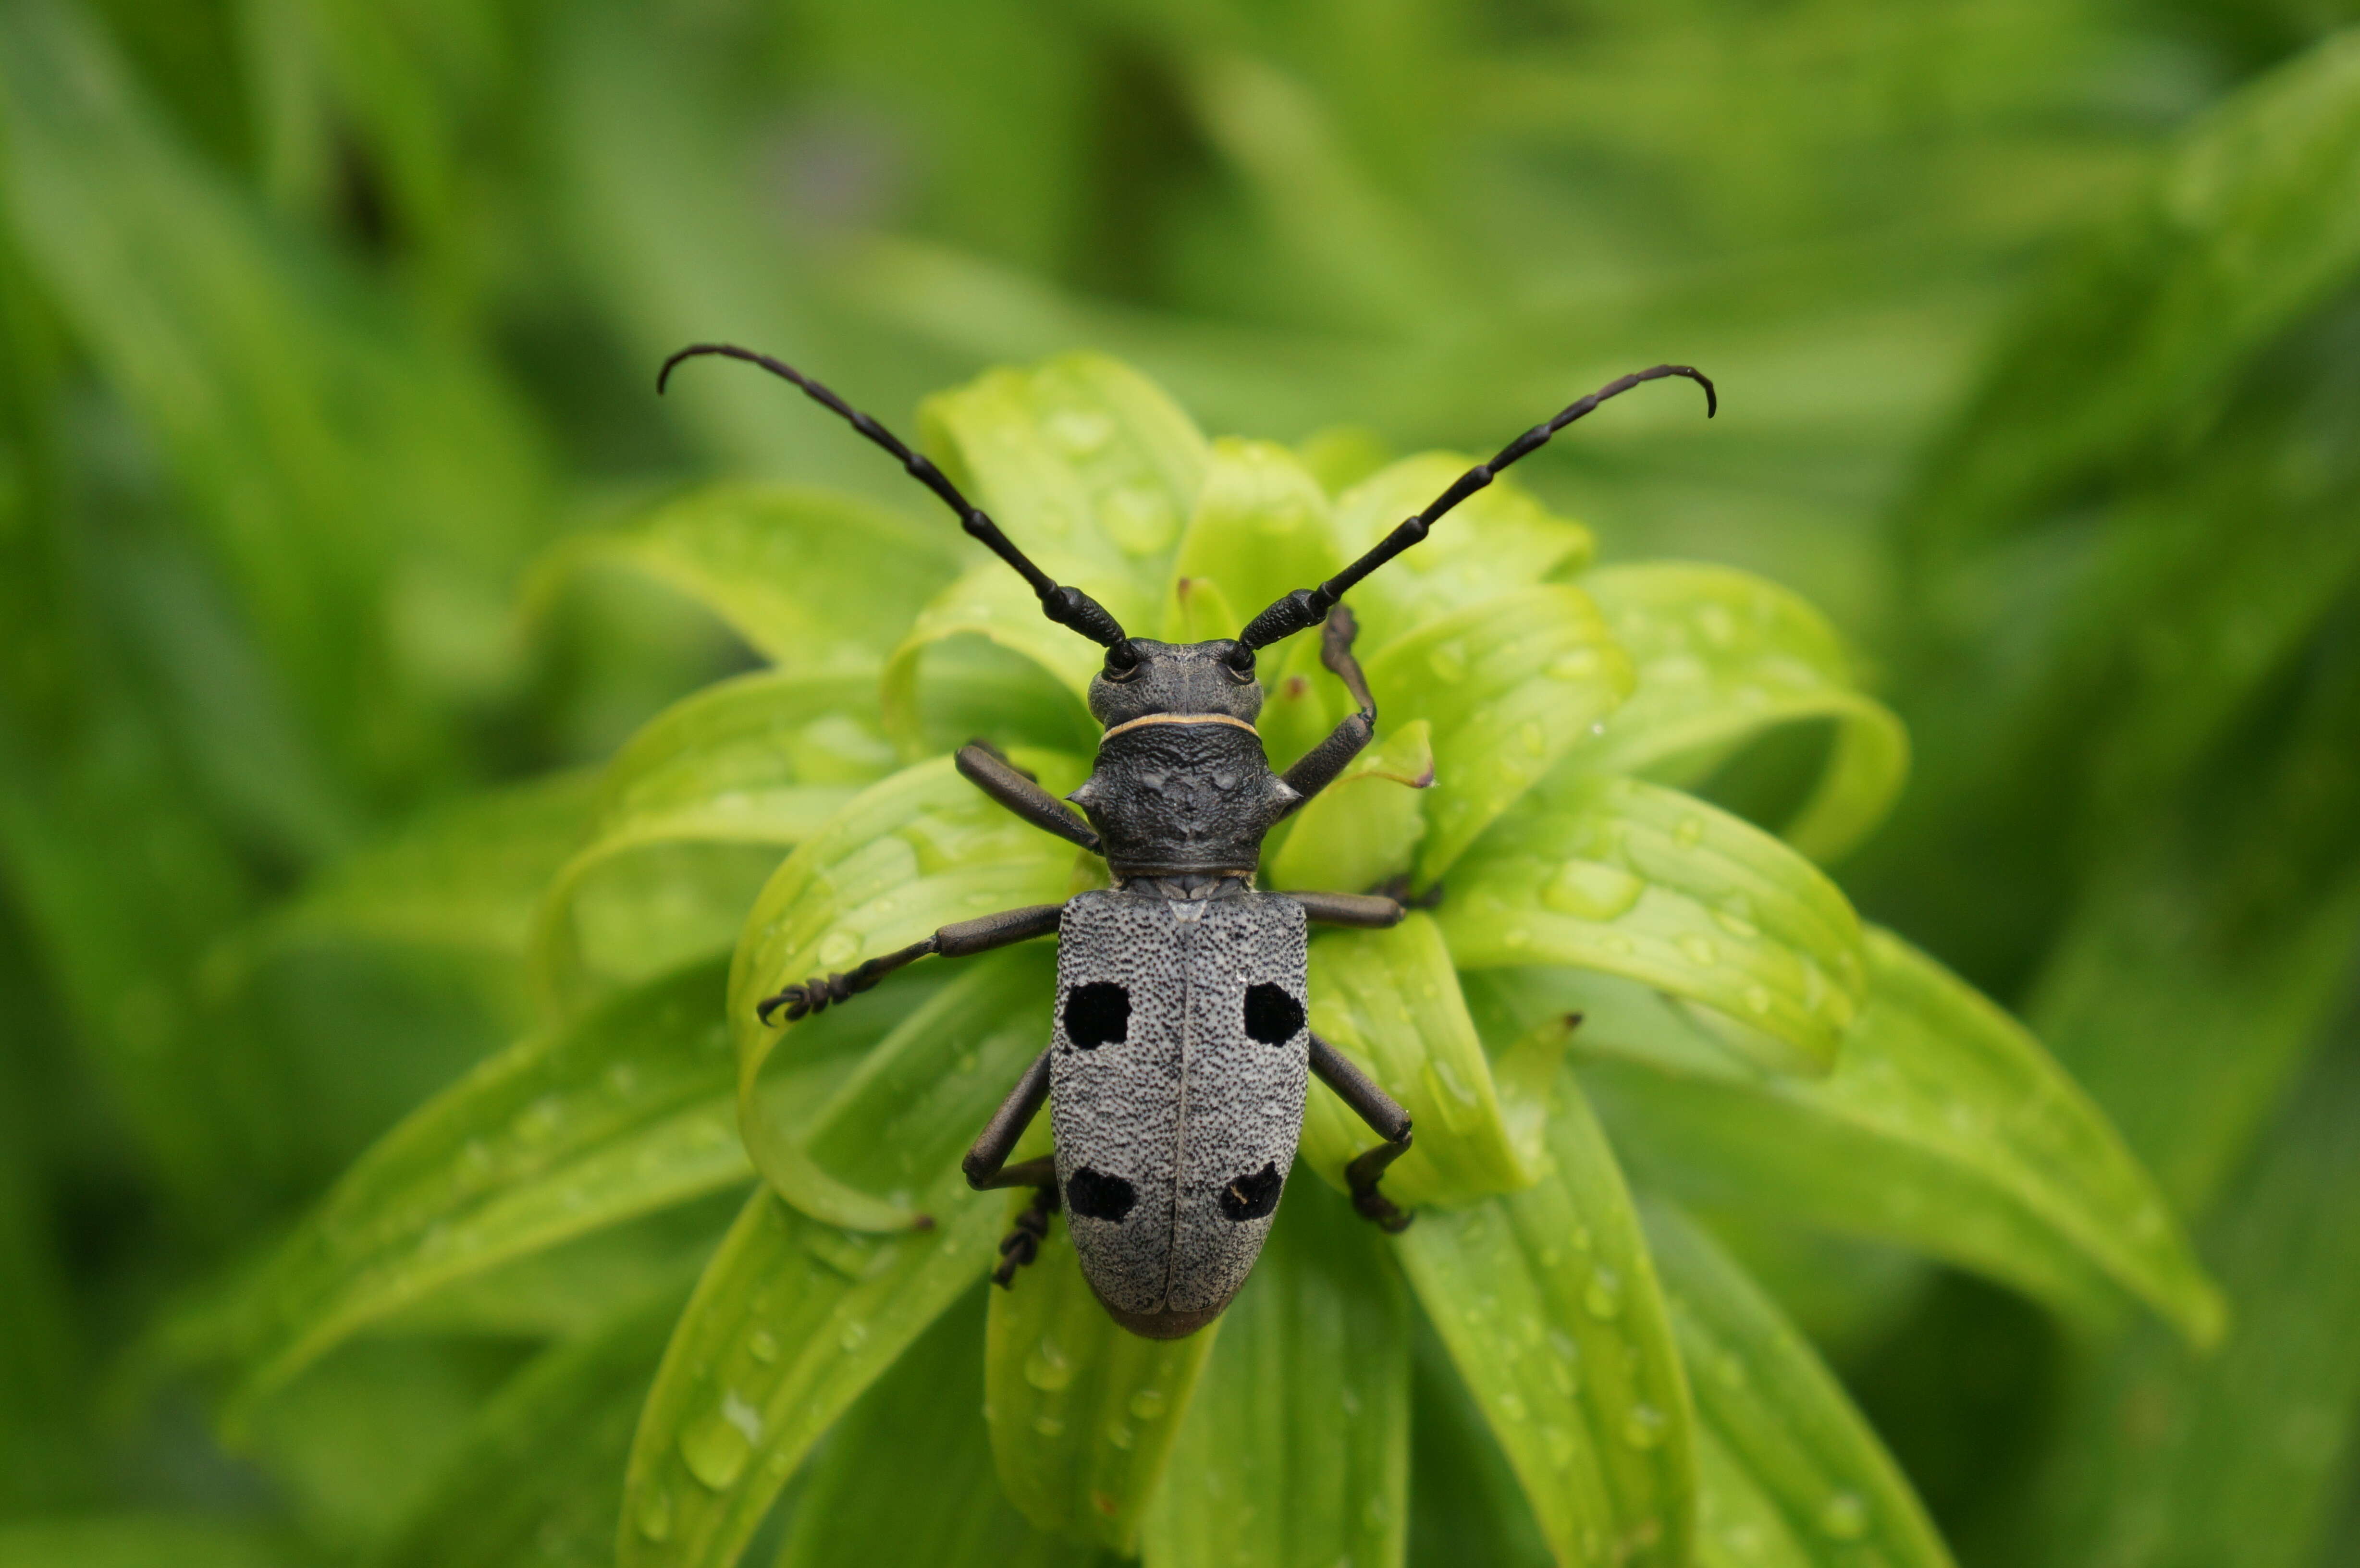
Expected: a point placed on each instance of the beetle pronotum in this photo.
(1179, 1057)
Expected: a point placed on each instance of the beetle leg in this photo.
(1377, 1108)
(983, 1162)
(983, 767)
(959, 940)
(1368, 911)
(1318, 769)
(1022, 1245)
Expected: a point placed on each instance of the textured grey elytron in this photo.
(1178, 1062)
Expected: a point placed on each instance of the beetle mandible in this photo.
(1179, 1058)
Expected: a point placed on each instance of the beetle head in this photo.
(1177, 678)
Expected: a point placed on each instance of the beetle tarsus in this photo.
(1367, 1202)
(1021, 1246)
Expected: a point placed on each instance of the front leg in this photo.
(981, 935)
(1377, 1108)
(1319, 767)
(1022, 793)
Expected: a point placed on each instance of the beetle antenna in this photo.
(1066, 606)
(1309, 606)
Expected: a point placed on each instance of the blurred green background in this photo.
(2037, 329)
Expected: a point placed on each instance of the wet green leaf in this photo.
(1779, 1420)
(1259, 530)
(1080, 457)
(1640, 881)
(143, 1540)
(622, 1112)
(1723, 656)
(1548, 1304)
(1363, 829)
(761, 759)
(1498, 541)
(853, 1141)
(792, 1321)
(1944, 1128)
(907, 1474)
(814, 581)
(993, 603)
(1294, 1453)
(540, 1476)
(1509, 685)
(910, 854)
(1083, 1414)
(1390, 1000)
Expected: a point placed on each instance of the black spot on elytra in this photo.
(1251, 1197)
(1271, 1015)
(1096, 1014)
(1096, 1195)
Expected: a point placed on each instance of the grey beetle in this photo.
(1179, 1058)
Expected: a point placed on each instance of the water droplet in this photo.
(622, 1078)
(1604, 1297)
(1719, 626)
(1138, 520)
(1078, 431)
(1536, 744)
(1592, 891)
(655, 1515)
(1844, 1516)
(1736, 925)
(1121, 1435)
(1560, 1446)
(1689, 833)
(1611, 943)
(541, 1119)
(854, 1337)
(838, 948)
(1511, 1406)
(1147, 1404)
(1644, 1427)
(1699, 950)
(714, 1449)
(1580, 664)
(1757, 998)
(1449, 661)
(1047, 1368)
(762, 1345)
(1516, 936)
(1048, 1425)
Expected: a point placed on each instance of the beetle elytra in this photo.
(1180, 1055)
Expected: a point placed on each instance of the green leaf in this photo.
(814, 581)
(792, 1321)
(143, 1540)
(853, 1140)
(910, 854)
(619, 1113)
(1083, 1414)
(1945, 1127)
(1259, 530)
(1509, 685)
(2163, 1455)
(762, 759)
(907, 1474)
(993, 603)
(1390, 1000)
(1641, 881)
(1296, 1452)
(1547, 1301)
(1497, 543)
(1080, 457)
(1778, 1419)
(1363, 829)
(1723, 656)
(540, 1476)
(2240, 235)
(465, 878)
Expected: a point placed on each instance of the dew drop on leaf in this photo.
(763, 1346)
(655, 1515)
(714, 1450)
(1844, 1516)
(1644, 1426)
(1047, 1368)
(1603, 1298)
(838, 948)
(1147, 1404)
(1700, 950)
(1591, 891)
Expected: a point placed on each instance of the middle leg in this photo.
(986, 1167)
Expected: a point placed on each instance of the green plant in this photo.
(1738, 1028)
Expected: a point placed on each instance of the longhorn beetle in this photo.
(1178, 1059)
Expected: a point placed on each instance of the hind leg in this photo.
(1377, 1108)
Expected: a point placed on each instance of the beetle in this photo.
(1180, 1055)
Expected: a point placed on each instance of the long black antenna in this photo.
(1309, 606)
(1066, 606)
